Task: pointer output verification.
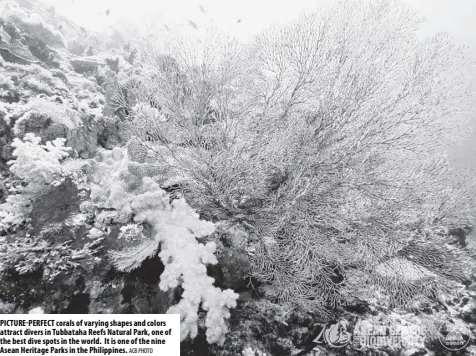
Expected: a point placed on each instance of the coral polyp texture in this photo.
(177, 229)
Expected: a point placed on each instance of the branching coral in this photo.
(176, 227)
(59, 114)
(330, 184)
(27, 255)
(39, 167)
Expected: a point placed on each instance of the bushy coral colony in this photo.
(132, 198)
(39, 166)
(176, 227)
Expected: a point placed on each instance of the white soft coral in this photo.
(185, 259)
(176, 227)
(39, 166)
(36, 163)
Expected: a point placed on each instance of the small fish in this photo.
(238, 21)
(108, 12)
(192, 24)
(167, 28)
(202, 9)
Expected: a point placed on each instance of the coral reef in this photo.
(136, 182)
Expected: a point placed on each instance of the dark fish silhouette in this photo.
(238, 21)
(192, 24)
(108, 12)
(167, 28)
(202, 9)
